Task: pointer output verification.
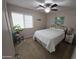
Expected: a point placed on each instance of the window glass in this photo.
(17, 19)
(28, 21)
(25, 21)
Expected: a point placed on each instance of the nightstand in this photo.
(69, 38)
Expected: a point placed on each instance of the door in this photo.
(8, 51)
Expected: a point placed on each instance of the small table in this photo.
(17, 37)
(69, 38)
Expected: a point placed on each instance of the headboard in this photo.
(59, 27)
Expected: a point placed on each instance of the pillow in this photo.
(61, 27)
(52, 28)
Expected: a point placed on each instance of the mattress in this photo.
(49, 38)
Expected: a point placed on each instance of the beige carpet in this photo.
(30, 49)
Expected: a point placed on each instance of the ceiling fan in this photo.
(48, 6)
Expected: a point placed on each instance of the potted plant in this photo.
(17, 37)
(17, 29)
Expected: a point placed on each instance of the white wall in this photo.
(36, 15)
(7, 43)
(70, 17)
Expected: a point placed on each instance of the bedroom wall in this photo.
(69, 14)
(36, 15)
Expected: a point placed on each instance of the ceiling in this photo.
(31, 4)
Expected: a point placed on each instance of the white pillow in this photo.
(60, 29)
(52, 28)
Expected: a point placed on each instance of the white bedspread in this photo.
(49, 38)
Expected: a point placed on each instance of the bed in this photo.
(49, 38)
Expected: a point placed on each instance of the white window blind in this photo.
(28, 21)
(17, 19)
(25, 21)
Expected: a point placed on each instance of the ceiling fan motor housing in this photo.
(48, 4)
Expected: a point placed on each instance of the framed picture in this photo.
(59, 20)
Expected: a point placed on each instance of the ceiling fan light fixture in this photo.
(47, 10)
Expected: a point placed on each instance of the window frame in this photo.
(24, 27)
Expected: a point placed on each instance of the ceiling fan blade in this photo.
(41, 6)
(54, 9)
(54, 5)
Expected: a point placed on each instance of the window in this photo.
(25, 21)
(17, 19)
(28, 21)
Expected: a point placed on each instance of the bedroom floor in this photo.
(29, 49)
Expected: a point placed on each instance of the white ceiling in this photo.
(31, 4)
